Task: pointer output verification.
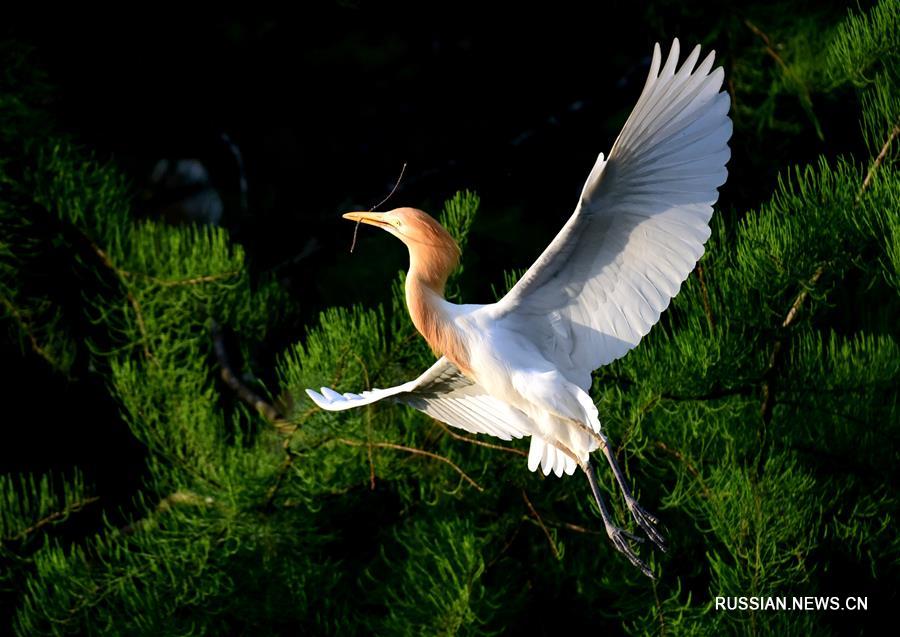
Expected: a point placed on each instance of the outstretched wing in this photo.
(639, 227)
(443, 393)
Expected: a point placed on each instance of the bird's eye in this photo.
(397, 223)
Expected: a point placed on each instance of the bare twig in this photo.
(713, 394)
(541, 523)
(768, 391)
(142, 327)
(705, 296)
(795, 306)
(765, 38)
(805, 97)
(480, 443)
(197, 280)
(390, 194)
(412, 450)
(393, 190)
(279, 479)
(879, 159)
(508, 544)
(575, 527)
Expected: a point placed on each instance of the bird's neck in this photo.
(433, 315)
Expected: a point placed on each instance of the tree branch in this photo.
(122, 275)
(879, 159)
(541, 524)
(53, 517)
(480, 443)
(19, 317)
(413, 450)
(704, 293)
(246, 394)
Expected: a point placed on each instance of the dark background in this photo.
(326, 106)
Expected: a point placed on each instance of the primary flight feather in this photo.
(522, 366)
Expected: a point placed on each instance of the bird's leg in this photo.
(617, 535)
(644, 518)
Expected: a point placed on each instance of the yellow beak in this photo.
(370, 218)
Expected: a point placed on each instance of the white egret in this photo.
(522, 366)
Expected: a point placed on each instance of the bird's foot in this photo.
(647, 521)
(620, 539)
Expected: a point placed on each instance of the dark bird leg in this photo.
(644, 519)
(617, 535)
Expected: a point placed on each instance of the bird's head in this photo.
(433, 252)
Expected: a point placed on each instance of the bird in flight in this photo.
(522, 366)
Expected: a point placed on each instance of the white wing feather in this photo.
(639, 227)
(445, 394)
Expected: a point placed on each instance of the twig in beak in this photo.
(382, 202)
(355, 230)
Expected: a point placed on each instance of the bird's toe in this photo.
(647, 522)
(618, 537)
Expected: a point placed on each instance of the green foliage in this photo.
(30, 503)
(863, 44)
(760, 417)
(436, 587)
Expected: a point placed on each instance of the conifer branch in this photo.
(165, 504)
(268, 411)
(541, 524)
(768, 388)
(19, 317)
(75, 507)
(413, 450)
(879, 159)
(122, 275)
(768, 402)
